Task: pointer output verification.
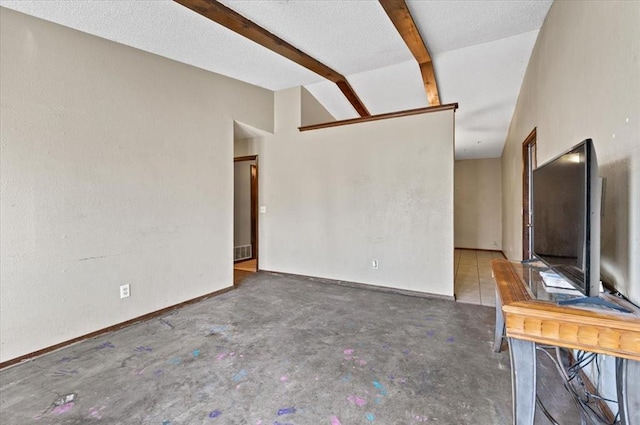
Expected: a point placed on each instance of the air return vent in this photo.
(242, 252)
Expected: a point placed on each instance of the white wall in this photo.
(583, 81)
(339, 197)
(116, 167)
(478, 204)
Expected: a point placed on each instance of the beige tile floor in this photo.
(473, 282)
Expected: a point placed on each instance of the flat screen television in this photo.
(567, 193)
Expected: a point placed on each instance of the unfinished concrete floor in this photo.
(282, 350)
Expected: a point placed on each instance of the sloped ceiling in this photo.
(480, 50)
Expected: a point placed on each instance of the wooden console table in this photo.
(527, 320)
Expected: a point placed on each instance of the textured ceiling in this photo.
(480, 51)
(349, 36)
(454, 24)
(169, 29)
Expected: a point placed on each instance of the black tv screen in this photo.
(566, 216)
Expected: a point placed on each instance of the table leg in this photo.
(499, 332)
(628, 384)
(523, 380)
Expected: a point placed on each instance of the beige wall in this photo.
(241, 147)
(337, 198)
(478, 204)
(583, 81)
(116, 167)
(312, 111)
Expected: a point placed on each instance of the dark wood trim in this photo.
(400, 16)
(398, 114)
(529, 141)
(352, 97)
(112, 328)
(255, 221)
(254, 210)
(246, 158)
(230, 19)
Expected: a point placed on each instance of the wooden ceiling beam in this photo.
(229, 18)
(400, 16)
(430, 84)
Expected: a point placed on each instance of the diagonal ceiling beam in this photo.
(400, 16)
(232, 20)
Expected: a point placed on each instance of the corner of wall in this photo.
(312, 111)
(287, 110)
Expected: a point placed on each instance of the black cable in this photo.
(571, 377)
(545, 411)
(582, 360)
(585, 397)
(538, 401)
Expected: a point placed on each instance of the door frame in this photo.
(529, 163)
(254, 205)
(254, 210)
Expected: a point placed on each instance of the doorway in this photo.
(529, 163)
(245, 222)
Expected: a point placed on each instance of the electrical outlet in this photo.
(125, 291)
(374, 264)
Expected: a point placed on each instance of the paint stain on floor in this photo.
(277, 350)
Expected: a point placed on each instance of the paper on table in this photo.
(555, 281)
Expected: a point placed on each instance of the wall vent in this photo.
(242, 252)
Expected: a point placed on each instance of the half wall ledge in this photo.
(388, 115)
